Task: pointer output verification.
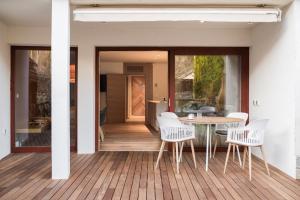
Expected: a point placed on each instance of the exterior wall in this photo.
(272, 83)
(297, 90)
(89, 35)
(5, 93)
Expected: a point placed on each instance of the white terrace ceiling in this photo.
(38, 12)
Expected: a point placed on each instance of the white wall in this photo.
(297, 83)
(272, 83)
(297, 89)
(5, 93)
(89, 35)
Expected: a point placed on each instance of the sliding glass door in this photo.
(209, 83)
(31, 98)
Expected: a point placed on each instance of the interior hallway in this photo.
(129, 137)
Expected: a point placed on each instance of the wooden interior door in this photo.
(138, 95)
(116, 94)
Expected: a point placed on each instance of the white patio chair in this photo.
(250, 136)
(172, 130)
(169, 114)
(221, 131)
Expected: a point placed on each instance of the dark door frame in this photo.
(15, 149)
(243, 52)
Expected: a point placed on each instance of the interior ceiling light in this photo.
(98, 14)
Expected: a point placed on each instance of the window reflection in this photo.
(32, 98)
(209, 85)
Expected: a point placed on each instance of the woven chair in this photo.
(250, 136)
(221, 131)
(172, 130)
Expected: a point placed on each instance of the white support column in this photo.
(60, 90)
(86, 98)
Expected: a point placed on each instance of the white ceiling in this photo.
(134, 56)
(38, 12)
(25, 12)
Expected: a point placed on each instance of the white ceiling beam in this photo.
(177, 14)
(276, 3)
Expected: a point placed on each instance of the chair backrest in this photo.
(172, 130)
(240, 115)
(166, 121)
(169, 114)
(252, 134)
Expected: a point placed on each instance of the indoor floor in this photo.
(129, 137)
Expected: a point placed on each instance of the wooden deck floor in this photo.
(130, 175)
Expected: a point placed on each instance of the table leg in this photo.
(207, 146)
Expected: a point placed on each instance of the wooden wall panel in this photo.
(116, 94)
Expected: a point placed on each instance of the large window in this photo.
(205, 84)
(210, 82)
(31, 81)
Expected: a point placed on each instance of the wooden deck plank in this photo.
(131, 175)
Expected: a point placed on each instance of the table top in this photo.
(210, 120)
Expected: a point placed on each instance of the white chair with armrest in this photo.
(172, 130)
(250, 136)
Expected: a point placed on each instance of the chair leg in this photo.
(101, 134)
(233, 152)
(266, 164)
(160, 153)
(177, 158)
(227, 156)
(216, 144)
(193, 153)
(250, 163)
(181, 148)
(173, 150)
(244, 157)
(239, 156)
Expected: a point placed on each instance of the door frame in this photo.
(37, 149)
(243, 52)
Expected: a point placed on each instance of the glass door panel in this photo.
(32, 98)
(32, 85)
(207, 84)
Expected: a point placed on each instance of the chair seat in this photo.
(255, 143)
(221, 132)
